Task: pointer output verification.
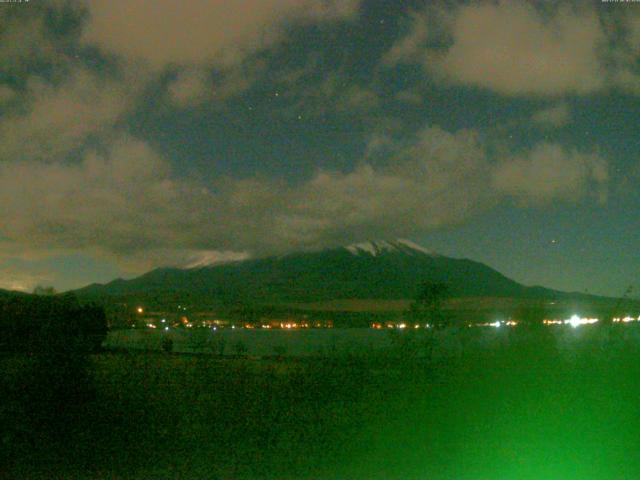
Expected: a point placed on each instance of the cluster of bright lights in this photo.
(496, 324)
(626, 319)
(552, 322)
(576, 321)
(401, 326)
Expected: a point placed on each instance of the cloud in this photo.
(555, 116)
(190, 87)
(126, 202)
(550, 172)
(19, 279)
(211, 44)
(56, 119)
(201, 258)
(409, 47)
(121, 200)
(334, 92)
(419, 189)
(357, 98)
(209, 32)
(553, 51)
(25, 41)
(196, 85)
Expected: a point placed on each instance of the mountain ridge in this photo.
(379, 269)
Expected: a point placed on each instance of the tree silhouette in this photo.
(42, 290)
(428, 305)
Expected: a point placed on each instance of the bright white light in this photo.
(575, 321)
(495, 324)
(166, 329)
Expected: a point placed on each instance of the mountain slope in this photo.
(371, 270)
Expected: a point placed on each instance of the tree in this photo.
(42, 290)
(428, 305)
(531, 312)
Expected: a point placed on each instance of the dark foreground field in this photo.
(526, 408)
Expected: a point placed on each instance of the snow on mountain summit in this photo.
(377, 247)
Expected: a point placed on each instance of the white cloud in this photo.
(126, 202)
(57, 119)
(25, 41)
(201, 258)
(200, 35)
(520, 48)
(190, 87)
(554, 116)
(220, 32)
(411, 46)
(550, 172)
(531, 55)
(335, 92)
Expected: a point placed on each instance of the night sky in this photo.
(139, 134)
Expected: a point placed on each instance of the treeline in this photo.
(41, 323)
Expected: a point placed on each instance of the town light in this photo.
(575, 321)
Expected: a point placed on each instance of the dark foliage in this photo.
(428, 304)
(41, 324)
(45, 341)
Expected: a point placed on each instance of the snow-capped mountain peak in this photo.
(377, 247)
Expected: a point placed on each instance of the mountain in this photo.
(11, 294)
(384, 270)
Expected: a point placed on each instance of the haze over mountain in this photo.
(369, 270)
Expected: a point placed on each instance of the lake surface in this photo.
(340, 342)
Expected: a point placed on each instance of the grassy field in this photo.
(529, 407)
